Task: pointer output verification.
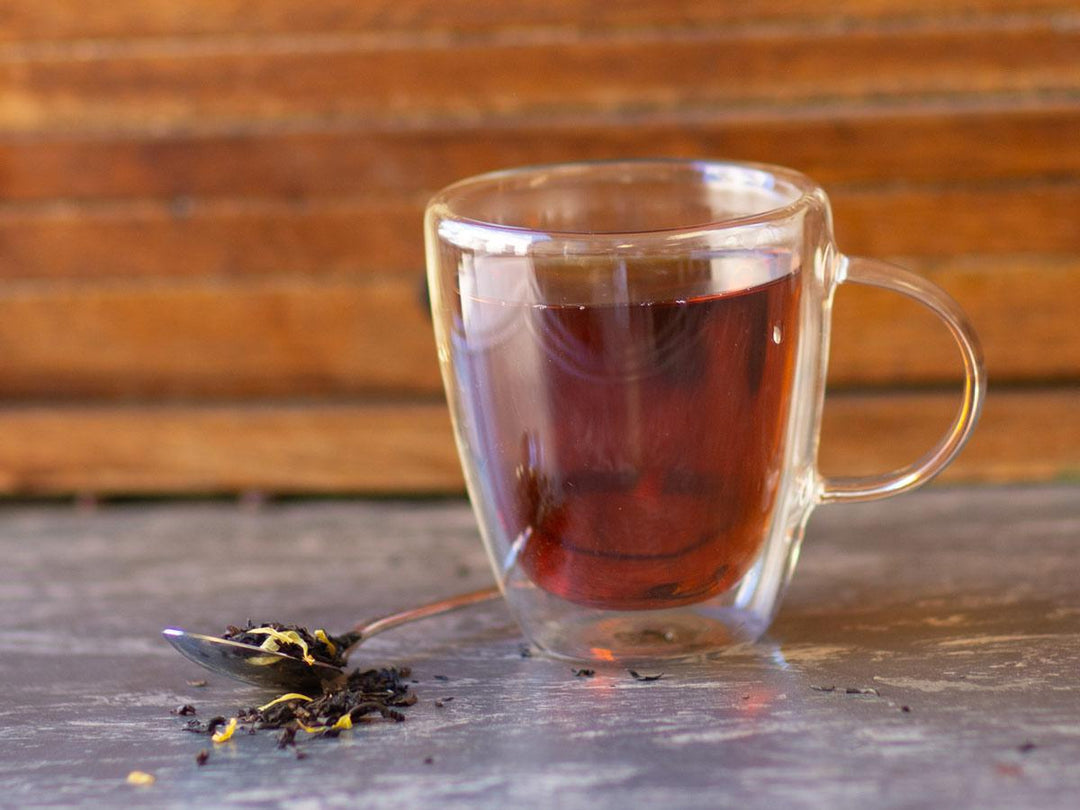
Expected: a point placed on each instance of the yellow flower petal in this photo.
(275, 638)
(325, 639)
(264, 660)
(226, 733)
(141, 778)
(344, 722)
(283, 698)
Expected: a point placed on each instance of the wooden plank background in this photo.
(210, 247)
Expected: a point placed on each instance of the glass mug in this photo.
(634, 355)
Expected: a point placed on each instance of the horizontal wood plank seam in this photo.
(187, 206)
(540, 35)
(734, 112)
(627, 75)
(253, 335)
(1028, 436)
(38, 19)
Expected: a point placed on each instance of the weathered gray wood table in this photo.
(961, 605)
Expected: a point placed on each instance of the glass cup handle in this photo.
(874, 273)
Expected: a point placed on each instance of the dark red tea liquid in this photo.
(633, 451)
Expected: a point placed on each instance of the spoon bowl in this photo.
(276, 670)
(251, 664)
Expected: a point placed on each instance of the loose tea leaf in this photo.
(637, 676)
(292, 640)
(364, 696)
(583, 673)
(372, 692)
(287, 737)
(848, 690)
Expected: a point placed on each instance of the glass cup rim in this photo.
(769, 176)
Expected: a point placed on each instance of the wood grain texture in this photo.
(142, 87)
(1020, 306)
(218, 237)
(1022, 435)
(1030, 216)
(278, 337)
(393, 448)
(865, 143)
(22, 20)
(219, 205)
(350, 335)
(407, 447)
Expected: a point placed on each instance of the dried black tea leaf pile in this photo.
(365, 696)
(292, 640)
(372, 693)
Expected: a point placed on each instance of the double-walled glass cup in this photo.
(634, 355)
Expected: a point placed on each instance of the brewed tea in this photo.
(633, 450)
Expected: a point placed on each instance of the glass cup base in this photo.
(693, 632)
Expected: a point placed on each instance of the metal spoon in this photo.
(251, 664)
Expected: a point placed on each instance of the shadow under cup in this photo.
(634, 357)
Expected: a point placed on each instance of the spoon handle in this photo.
(366, 630)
